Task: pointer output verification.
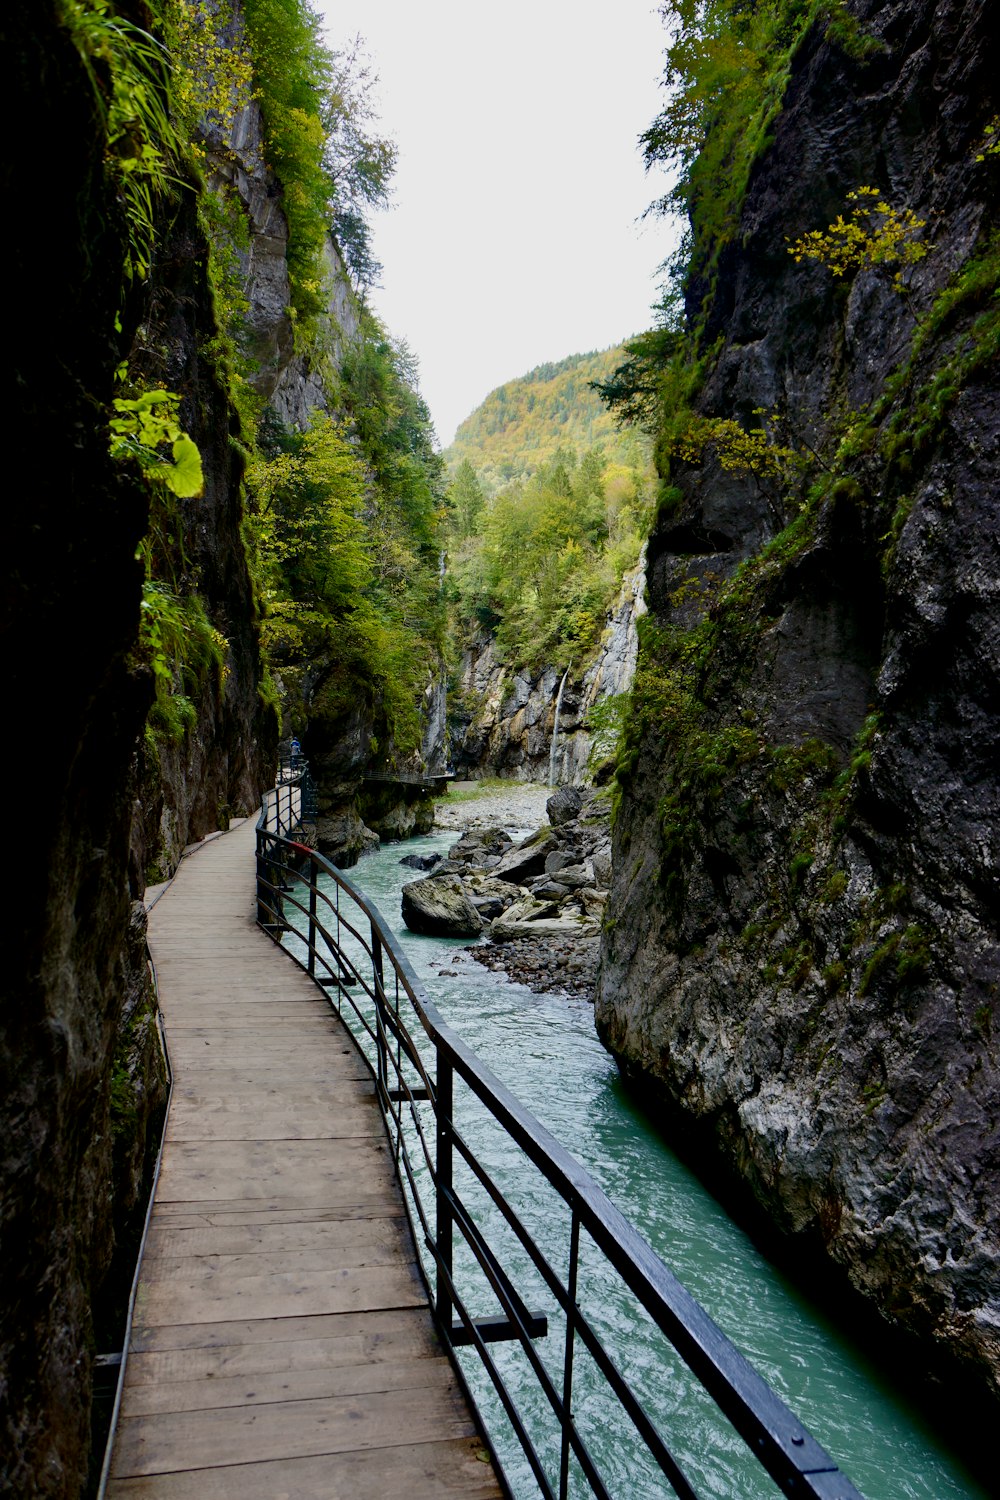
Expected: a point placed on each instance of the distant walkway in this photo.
(282, 1345)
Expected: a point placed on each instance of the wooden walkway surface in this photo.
(282, 1348)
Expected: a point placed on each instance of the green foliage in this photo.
(360, 161)
(990, 142)
(292, 69)
(130, 73)
(605, 723)
(184, 651)
(543, 560)
(346, 519)
(143, 427)
(212, 67)
(728, 65)
(540, 535)
(318, 119)
(633, 391)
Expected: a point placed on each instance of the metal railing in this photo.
(417, 1061)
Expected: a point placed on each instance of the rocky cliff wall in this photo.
(192, 783)
(297, 382)
(93, 801)
(74, 971)
(801, 954)
(505, 721)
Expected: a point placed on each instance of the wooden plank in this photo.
(168, 1442)
(217, 1362)
(345, 1205)
(330, 1237)
(278, 1295)
(273, 1211)
(242, 1332)
(267, 1386)
(190, 1269)
(425, 1471)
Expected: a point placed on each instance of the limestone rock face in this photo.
(440, 907)
(343, 838)
(801, 951)
(508, 722)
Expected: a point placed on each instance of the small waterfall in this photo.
(555, 729)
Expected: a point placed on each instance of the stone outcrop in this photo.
(801, 957)
(505, 721)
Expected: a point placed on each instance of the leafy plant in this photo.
(130, 73)
(874, 234)
(147, 424)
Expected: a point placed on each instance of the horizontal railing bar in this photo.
(500, 1330)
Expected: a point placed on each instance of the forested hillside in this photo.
(548, 506)
(524, 424)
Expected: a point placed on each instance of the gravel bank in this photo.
(514, 805)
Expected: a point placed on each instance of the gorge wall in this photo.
(97, 798)
(801, 956)
(503, 720)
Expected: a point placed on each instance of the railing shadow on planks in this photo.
(418, 1061)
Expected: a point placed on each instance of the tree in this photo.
(359, 161)
(466, 500)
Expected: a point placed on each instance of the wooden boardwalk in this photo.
(282, 1348)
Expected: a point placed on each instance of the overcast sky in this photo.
(513, 236)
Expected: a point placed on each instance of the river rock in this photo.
(506, 927)
(528, 858)
(491, 897)
(439, 907)
(481, 843)
(343, 838)
(564, 805)
(420, 861)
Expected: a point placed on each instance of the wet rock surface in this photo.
(537, 900)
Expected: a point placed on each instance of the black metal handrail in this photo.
(348, 950)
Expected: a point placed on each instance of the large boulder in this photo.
(479, 843)
(420, 861)
(564, 805)
(528, 859)
(439, 907)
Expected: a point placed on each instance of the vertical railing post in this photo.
(567, 1398)
(380, 1040)
(261, 909)
(312, 919)
(443, 1106)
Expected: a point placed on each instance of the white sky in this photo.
(513, 236)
